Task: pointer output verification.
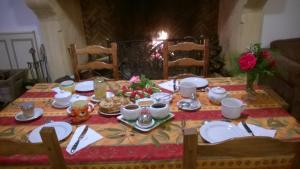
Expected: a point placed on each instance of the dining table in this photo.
(124, 147)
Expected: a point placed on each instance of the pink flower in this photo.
(247, 61)
(265, 54)
(135, 79)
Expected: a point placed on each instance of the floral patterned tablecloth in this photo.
(126, 148)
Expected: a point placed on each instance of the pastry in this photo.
(113, 104)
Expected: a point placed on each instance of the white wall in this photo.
(281, 20)
(15, 16)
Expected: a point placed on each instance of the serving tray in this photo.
(157, 122)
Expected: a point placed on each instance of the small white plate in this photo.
(217, 131)
(37, 112)
(85, 86)
(58, 106)
(199, 82)
(62, 129)
(145, 126)
(193, 105)
(110, 114)
(162, 97)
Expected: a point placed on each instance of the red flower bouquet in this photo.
(254, 62)
(139, 87)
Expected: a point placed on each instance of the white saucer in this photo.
(145, 126)
(37, 112)
(198, 81)
(85, 86)
(58, 106)
(194, 105)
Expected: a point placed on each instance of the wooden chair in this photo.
(185, 61)
(246, 152)
(49, 146)
(94, 49)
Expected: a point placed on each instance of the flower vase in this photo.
(251, 77)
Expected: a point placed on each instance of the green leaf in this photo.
(275, 123)
(113, 129)
(7, 132)
(121, 140)
(163, 135)
(115, 136)
(155, 141)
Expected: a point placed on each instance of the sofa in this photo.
(286, 81)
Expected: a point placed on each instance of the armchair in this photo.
(287, 80)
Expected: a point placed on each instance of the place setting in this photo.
(220, 130)
(28, 112)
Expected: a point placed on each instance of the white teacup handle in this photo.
(90, 107)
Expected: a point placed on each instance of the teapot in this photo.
(216, 94)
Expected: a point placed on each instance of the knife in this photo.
(247, 128)
(86, 128)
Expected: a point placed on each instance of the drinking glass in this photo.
(99, 88)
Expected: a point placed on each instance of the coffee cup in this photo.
(131, 111)
(232, 108)
(187, 89)
(27, 109)
(80, 111)
(159, 110)
(62, 98)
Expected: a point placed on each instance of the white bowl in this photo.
(159, 110)
(131, 111)
(63, 97)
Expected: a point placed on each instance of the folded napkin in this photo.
(90, 137)
(257, 131)
(168, 85)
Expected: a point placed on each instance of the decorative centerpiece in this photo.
(139, 87)
(255, 62)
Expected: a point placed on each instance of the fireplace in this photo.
(230, 24)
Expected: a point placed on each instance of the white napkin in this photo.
(168, 85)
(90, 137)
(257, 131)
(56, 89)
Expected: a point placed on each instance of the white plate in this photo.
(194, 105)
(217, 131)
(162, 97)
(62, 129)
(85, 86)
(199, 82)
(37, 112)
(110, 114)
(58, 106)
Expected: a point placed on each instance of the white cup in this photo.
(232, 108)
(131, 111)
(187, 89)
(159, 110)
(63, 98)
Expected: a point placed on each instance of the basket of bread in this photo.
(112, 105)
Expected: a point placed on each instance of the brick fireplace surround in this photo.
(239, 24)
